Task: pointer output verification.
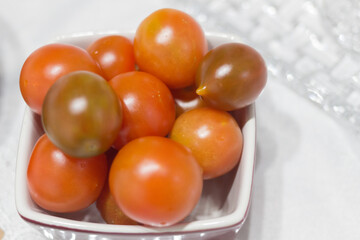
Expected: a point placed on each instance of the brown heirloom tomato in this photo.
(114, 54)
(170, 45)
(45, 65)
(155, 181)
(231, 76)
(60, 183)
(82, 114)
(214, 138)
(148, 106)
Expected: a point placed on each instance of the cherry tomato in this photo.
(148, 106)
(60, 183)
(214, 138)
(110, 211)
(170, 45)
(186, 99)
(231, 76)
(82, 114)
(45, 65)
(155, 181)
(114, 54)
(106, 205)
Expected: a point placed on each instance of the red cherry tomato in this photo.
(45, 65)
(114, 54)
(60, 183)
(155, 181)
(170, 45)
(148, 106)
(214, 138)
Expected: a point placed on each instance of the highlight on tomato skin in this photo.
(60, 183)
(170, 44)
(231, 76)
(214, 138)
(47, 64)
(155, 181)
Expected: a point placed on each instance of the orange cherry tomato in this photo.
(170, 45)
(155, 181)
(148, 106)
(60, 183)
(45, 65)
(214, 138)
(114, 54)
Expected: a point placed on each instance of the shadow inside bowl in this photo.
(215, 200)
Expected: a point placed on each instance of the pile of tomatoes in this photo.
(137, 125)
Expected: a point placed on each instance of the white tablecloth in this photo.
(307, 179)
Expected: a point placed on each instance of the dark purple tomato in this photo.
(81, 114)
(231, 76)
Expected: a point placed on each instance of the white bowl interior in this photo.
(224, 202)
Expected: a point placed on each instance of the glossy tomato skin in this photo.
(170, 45)
(155, 181)
(82, 114)
(60, 183)
(47, 64)
(114, 54)
(148, 106)
(214, 138)
(186, 99)
(231, 76)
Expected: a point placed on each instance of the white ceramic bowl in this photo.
(221, 211)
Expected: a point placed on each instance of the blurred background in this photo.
(307, 177)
